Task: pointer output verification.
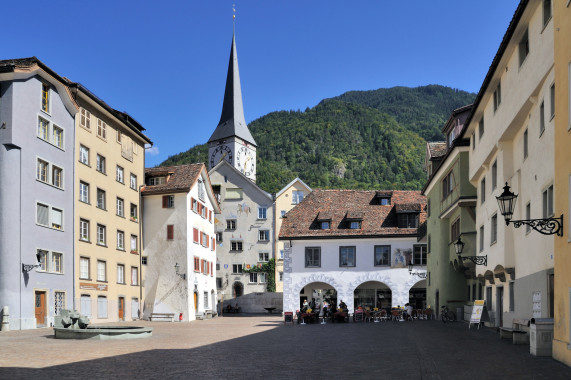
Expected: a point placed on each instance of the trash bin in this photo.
(541, 336)
(460, 313)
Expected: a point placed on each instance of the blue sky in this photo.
(164, 62)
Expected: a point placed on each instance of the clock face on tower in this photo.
(245, 161)
(221, 152)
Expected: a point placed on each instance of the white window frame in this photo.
(120, 240)
(134, 244)
(102, 307)
(263, 257)
(84, 155)
(83, 192)
(133, 181)
(547, 201)
(101, 129)
(101, 201)
(83, 229)
(264, 235)
(85, 119)
(57, 138)
(43, 131)
(236, 245)
(52, 217)
(350, 262)
(101, 235)
(135, 276)
(84, 268)
(120, 174)
(120, 274)
(296, 196)
(100, 163)
(120, 205)
(253, 278)
(101, 270)
(262, 212)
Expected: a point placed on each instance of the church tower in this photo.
(232, 140)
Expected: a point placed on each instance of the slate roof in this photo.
(182, 178)
(377, 220)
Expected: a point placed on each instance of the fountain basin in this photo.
(104, 332)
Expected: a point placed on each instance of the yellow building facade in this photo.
(286, 199)
(562, 301)
(110, 164)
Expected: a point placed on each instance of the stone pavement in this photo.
(252, 347)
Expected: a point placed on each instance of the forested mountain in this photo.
(361, 139)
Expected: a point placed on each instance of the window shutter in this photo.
(211, 269)
(213, 244)
(170, 232)
(206, 241)
(200, 236)
(165, 201)
(199, 208)
(195, 235)
(191, 202)
(202, 265)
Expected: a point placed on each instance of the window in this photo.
(84, 155)
(481, 128)
(262, 278)
(382, 255)
(325, 225)
(101, 307)
(170, 232)
(206, 300)
(45, 97)
(384, 201)
(281, 254)
(541, 118)
(219, 236)
(152, 181)
(355, 225)
(528, 216)
(84, 268)
(312, 257)
(168, 201)
(119, 174)
(552, 101)
(134, 276)
(282, 213)
(101, 199)
(264, 235)
(120, 240)
(101, 129)
(253, 278)
(133, 212)
(525, 151)
(512, 296)
(495, 175)
(481, 238)
(100, 164)
(494, 229)
(134, 244)
(455, 230)
(497, 96)
(193, 204)
(236, 268)
(101, 234)
(263, 257)
(43, 126)
(201, 191)
(144, 260)
(281, 276)
(548, 202)
(483, 191)
(204, 240)
(419, 254)
(83, 192)
(85, 119)
(49, 216)
(447, 185)
(43, 262)
(56, 265)
(83, 230)
(57, 137)
(42, 171)
(546, 11)
(85, 305)
(347, 256)
(231, 224)
(133, 182)
(262, 212)
(101, 270)
(296, 197)
(57, 174)
(235, 245)
(523, 48)
(59, 302)
(407, 220)
(120, 207)
(489, 298)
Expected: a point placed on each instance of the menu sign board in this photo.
(477, 311)
(89, 286)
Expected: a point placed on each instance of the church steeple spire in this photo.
(232, 121)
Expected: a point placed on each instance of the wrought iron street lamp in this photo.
(549, 226)
(28, 267)
(419, 274)
(478, 260)
(177, 271)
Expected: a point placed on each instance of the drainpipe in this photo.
(141, 250)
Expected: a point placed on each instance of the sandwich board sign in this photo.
(477, 311)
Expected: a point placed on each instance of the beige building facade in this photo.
(110, 162)
(562, 302)
(286, 199)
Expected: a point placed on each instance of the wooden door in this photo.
(121, 308)
(195, 301)
(40, 308)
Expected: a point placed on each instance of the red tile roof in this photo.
(180, 178)
(378, 220)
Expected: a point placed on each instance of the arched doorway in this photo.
(417, 295)
(372, 294)
(237, 289)
(318, 291)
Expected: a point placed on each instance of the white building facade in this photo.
(179, 248)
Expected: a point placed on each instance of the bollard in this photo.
(5, 319)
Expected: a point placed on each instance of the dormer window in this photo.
(383, 198)
(353, 220)
(407, 215)
(152, 181)
(323, 220)
(355, 225)
(325, 225)
(384, 201)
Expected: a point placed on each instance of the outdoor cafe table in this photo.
(339, 316)
(309, 317)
